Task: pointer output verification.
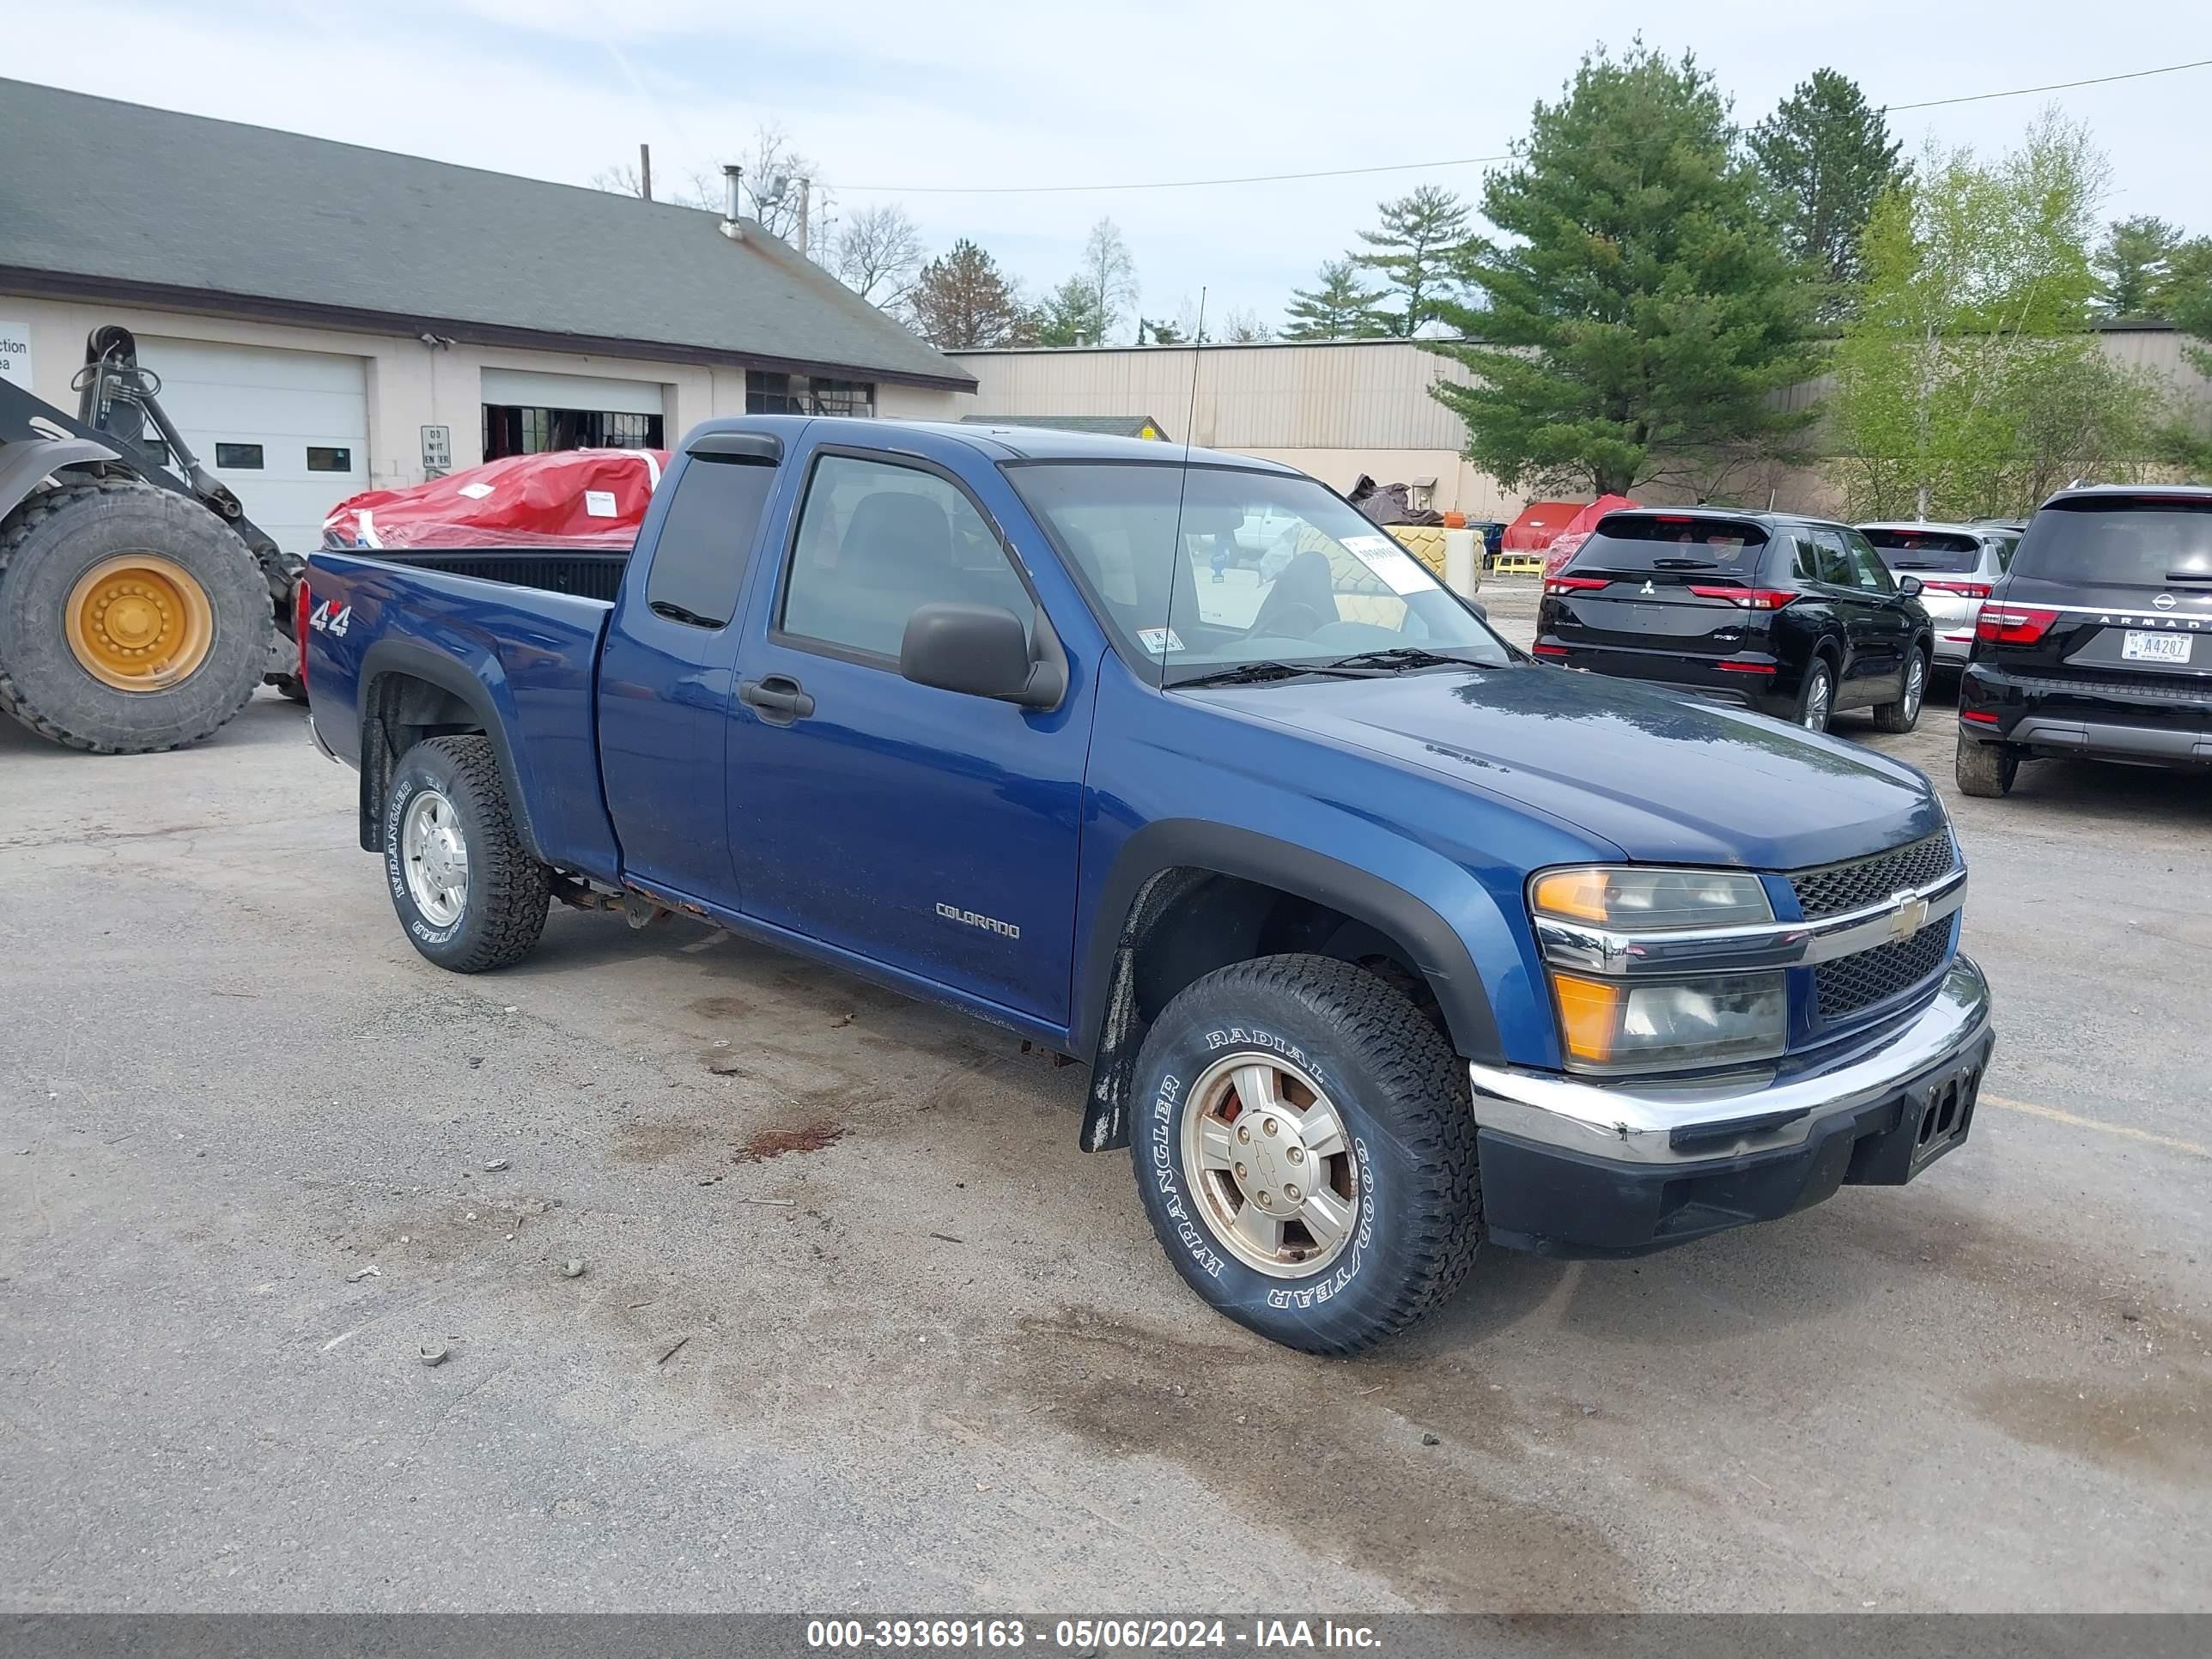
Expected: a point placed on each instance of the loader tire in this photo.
(132, 619)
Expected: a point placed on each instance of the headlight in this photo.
(1629, 1026)
(1643, 900)
(1635, 1024)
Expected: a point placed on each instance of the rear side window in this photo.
(2121, 541)
(1915, 550)
(1672, 541)
(1832, 560)
(699, 563)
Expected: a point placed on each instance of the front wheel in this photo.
(1305, 1150)
(470, 893)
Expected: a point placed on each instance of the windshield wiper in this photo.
(1251, 673)
(1405, 656)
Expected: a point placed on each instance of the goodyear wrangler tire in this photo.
(1304, 1145)
(468, 893)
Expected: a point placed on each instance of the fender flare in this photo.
(1106, 1022)
(23, 465)
(1440, 955)
(388, 659)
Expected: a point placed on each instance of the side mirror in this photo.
(1910, 587)
(1481, 610)
(982, 651)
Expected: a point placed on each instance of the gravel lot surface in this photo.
(858, 1326)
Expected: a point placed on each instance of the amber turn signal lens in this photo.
(1573, 893)
(1588, 1010)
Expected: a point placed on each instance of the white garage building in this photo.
(326, 317)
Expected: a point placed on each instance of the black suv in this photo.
(1792, 616)
(2097, 642)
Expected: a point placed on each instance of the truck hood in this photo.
(1660, 777)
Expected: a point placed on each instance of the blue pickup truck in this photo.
(1378, 937)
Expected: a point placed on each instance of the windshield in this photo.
(2138, 541)
(1637, 542)
(1268, 568)
(1949, 551)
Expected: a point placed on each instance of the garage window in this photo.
(241, 456)
(321, 458)
(523, 429)
(800, 394)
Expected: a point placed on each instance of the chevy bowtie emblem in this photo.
(1906, 920)
(1648, 588)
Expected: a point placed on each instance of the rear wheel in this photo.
(1305, 1151)
(470, 893)
(1905, 713)
(1985, 769)
(1816, 698)
(131, 618)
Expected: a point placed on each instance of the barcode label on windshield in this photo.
(1395, 566)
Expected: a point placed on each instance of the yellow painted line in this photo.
(2073, 1121)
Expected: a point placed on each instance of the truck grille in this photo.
(1851, 983)
(1842, 887)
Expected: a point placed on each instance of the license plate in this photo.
(2155, 648)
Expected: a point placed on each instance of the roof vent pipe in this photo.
(732, 201)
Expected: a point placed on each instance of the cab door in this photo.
(932, 832)
(664, 672)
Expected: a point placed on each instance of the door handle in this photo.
(779, 698)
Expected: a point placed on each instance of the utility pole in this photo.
(806, 190)
(645, 171)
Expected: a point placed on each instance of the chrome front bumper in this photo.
(1644, 1123)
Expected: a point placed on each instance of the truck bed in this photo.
(588, 573)
(498, 634)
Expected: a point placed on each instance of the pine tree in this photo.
(1336, 309)
(1422, 234)
(1827, 156)
(1639, 322)
(962, 301)
(2133, 263)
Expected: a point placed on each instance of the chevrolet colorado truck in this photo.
(1379, 937)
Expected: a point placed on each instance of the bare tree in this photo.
(620, 180)
(1108, 276)
(878, 255)
(1245, 328)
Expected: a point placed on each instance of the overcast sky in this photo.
(889, 94)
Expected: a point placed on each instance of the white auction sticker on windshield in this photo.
(1395, 566)
(1159, 641)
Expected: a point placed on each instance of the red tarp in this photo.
(571, 498)
(1576, 530)
(1539, 522)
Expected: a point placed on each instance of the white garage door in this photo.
(287, 430)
